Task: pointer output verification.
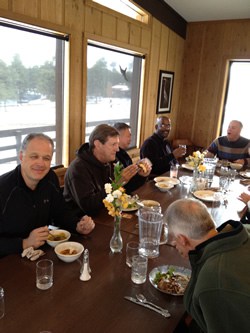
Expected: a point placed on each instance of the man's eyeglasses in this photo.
(165, 125)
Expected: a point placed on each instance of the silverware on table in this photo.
(163, 312)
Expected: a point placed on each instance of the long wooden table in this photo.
(98, 305)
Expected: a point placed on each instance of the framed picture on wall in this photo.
(165, 90)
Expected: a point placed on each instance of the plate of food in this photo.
(245, 174)
(170, 279)
(172, 181)
(132, 205)
(206, 195)
(187, 166)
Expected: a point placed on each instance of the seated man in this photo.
(218, 294)
(231, 147)
(30, 200)
(135, 177)
(158, 150)
(245, 197)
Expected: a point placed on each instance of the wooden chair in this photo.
(60, 171)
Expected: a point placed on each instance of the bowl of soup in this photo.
(69, 251)
(58, 236)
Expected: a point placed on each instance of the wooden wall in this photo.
(82, 20)
(209, 47)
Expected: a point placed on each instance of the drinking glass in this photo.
(173, 171)
(44, 274)
(139, 269)
(131, 250)
(2, 310)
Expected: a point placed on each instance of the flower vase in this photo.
(195, 180)
(116, 242)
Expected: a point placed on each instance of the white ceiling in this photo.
(210, 10)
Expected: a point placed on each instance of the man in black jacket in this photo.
(92, 168)
(30, 199)
(158, 149)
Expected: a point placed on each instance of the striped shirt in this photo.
(231, 150)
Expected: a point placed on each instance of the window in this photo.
(237, 102)
(31, 89)
(113, 88)
(125, 7)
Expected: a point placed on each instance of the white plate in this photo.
(187, 180)
(187, 166)
(173, 181)
(206, 195)
(245, 174)
(163, 269)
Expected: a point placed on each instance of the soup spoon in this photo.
(141, 298)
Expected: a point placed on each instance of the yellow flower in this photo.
(116, 198)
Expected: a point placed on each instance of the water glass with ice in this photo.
(139, 269)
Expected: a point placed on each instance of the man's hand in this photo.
(85, 225)
(244, 197)
(179, 152)
(129, 172)
(240, 161)
(144, 167)
(36, 238)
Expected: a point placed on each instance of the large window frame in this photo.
(14, 136)
(237, 100)
(136, 84)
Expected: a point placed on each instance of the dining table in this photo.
(98, 305)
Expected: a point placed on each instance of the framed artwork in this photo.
(165, 90)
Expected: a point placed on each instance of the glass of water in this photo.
(139, 269)
(44, 274)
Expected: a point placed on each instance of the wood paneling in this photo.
(83, 19)
(209, 47)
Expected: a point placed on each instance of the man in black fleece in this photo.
(30, 200)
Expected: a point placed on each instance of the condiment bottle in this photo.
(85, 270)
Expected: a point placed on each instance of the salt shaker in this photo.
(85, 270)
(1, 302)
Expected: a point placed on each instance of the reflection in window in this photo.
(113, 88)
(31, 93)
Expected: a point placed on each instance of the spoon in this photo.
(141, 298)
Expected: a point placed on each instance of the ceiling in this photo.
(211, 10)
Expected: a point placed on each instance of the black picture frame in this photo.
(165, 91)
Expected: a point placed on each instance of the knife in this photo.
(164, 313)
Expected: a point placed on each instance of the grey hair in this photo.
(239, 123)
(102, 133)
(189, 217)
(32, 136)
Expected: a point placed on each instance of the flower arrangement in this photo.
(196, 160)
(116, 198)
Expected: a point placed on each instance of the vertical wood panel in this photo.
(4, 4)
(135, 35)
(93, 21)
(108, 26)
(25, 7)
(123, 31)
(53, 11)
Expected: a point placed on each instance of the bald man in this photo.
(232, 147)
(158, 149)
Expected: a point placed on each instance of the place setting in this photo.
(167, 279)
